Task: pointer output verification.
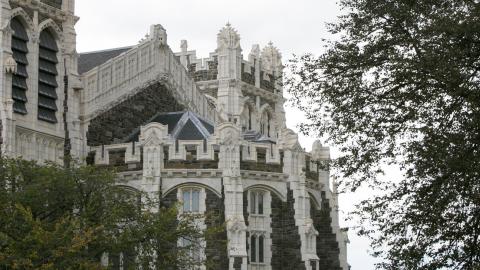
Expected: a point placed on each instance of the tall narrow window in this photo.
(253, 248)
(19, 79)
(260, 203)
(261, 241)
(268, 125)
(191, 248)
(191, 200)
(256, 202)
(249, 119)
(253, 202)
(47, 78)
(257, 249)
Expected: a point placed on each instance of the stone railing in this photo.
(177, 155)
(124, 75)
(189, 154)
(261, 157)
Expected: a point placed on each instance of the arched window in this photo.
(19, 79)
(47, 77)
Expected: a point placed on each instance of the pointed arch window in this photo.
(19, 79)
(47, 77)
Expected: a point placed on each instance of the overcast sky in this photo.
(295, 27)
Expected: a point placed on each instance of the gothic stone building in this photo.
(208, 132)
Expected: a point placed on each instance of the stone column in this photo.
(229, 140)
(152, 137)
(294, 164)
(229, 97)
(7, 68)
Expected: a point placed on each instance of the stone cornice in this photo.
(52, 12)
(188, 173)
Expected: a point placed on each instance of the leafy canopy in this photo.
(400, 84)
(56, 218)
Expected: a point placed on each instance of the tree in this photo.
(400, 84)
(67, 218)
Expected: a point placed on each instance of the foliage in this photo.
(400, 84)
(56, 218)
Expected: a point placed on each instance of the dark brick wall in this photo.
(190, 162)
(248, 77)
(260, 164)
(286, 243)
(169, 200)
(268, 85)
(116, 124)
(204, 75)
(237, 263)
(327, 247)
(216, 250)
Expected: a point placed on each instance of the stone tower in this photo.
(37, 39)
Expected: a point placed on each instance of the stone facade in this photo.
(229, 150)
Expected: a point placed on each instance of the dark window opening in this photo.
(19, 79)
(260, 249)
(47, 78)
(253, 251)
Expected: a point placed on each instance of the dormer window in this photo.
(47, 77)
(19, 79)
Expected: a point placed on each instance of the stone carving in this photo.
(289, 139)
(228, 38)
(271, 58)
(184, 45)
(10, 65)
(158, 33)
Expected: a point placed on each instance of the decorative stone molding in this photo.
(271, 58)
(20, 12)
(10, 65)
(228, 38)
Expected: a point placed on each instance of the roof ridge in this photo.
(107, 50)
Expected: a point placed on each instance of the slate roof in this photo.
(89, 60)
(181, 126)
(255, 136)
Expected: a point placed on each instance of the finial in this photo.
(271, 57)
(228, 37)
(184, 45)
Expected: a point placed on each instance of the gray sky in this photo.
(295, 27)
